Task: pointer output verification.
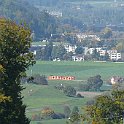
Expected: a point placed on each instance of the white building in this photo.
(83, 36)
(114, 55)
(102, 52)
(90, 50)
(78, 58)
(85, 50)
(70, 48)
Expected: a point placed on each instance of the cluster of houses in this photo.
(113, 54)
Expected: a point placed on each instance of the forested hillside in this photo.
(87, 14)
(83, 15)
(21, 11)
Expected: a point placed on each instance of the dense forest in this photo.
(87, 14)
(21, 11)
(79, 15)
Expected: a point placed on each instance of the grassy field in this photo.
(62, 121)
(81, 70)
(42, 96)
(47, 96)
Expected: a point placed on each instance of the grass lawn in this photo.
(81, 70)
(42, 96)
(55, 121)
(48, 96)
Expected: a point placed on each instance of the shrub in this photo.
(67, 111)
(47, 113)
(58, 116)
(79, 95)
(69, 91)
(91, 102)
(36, 117)
(37, 79)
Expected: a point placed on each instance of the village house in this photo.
(79, 57)
(70, 48)
(84, 36)
(113, 54)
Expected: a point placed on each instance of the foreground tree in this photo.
(107, 109)
(15, 58)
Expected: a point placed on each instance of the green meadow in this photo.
(81, 70)
(42, 96)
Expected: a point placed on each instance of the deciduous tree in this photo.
(15, 58)
(107, 109)
(69, 91)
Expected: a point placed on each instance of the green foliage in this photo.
(106, 57)
(79, 50)
(48, 51)
(21, 11)
(58, 52)
(15, 58)
(37, 79)
(79, 95)
(75, 109)
(67, 111)
(3, 99)
(107, 32)
(47, 113)
(69, 91)
(74, 116)
(68, 56)
(78, 13)
(107, 109)
(120, 46)
(94, 83)
(95, 55)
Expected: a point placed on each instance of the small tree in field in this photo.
(67, 111)
(15, 58)
(47, 113)
(69, 91)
